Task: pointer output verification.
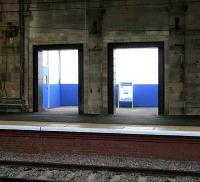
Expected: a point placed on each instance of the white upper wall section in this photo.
(63, 66)
(69, 66)
(45, 59)
(136, 65)
(53, 57)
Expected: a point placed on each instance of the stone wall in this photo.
(11, 67)
(96, 23)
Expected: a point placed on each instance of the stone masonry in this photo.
(95, 23)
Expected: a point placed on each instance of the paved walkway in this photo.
(102, 128)
(143, 121)
(136, 116)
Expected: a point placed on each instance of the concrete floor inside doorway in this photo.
(137, 111)
(129, 112)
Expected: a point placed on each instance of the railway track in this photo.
(42, 172)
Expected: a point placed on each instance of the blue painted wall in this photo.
(54, 95)
(45, 96)
(69, 94)
(60, 95)
(116, 94)
(144, 95)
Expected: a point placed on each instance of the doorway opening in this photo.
(136, 79)
(58, 79)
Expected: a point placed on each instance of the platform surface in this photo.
(139, 121)
(101, 128)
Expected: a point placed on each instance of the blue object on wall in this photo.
(69, 94)
(116, 94)
(145, 95)
(54, 95)
(125, 104)
(45, 96)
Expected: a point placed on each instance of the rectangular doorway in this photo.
(58, 78)
(136, 78)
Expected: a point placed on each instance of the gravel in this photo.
(81, 175)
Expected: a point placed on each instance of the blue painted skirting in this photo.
(54, 95)
(45, 96)
(69, 94)
(60, 95)
(144, 95)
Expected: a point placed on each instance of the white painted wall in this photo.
(45, 59)
(69, 66)
(136, 65)
(65, 70)
(54, 76)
